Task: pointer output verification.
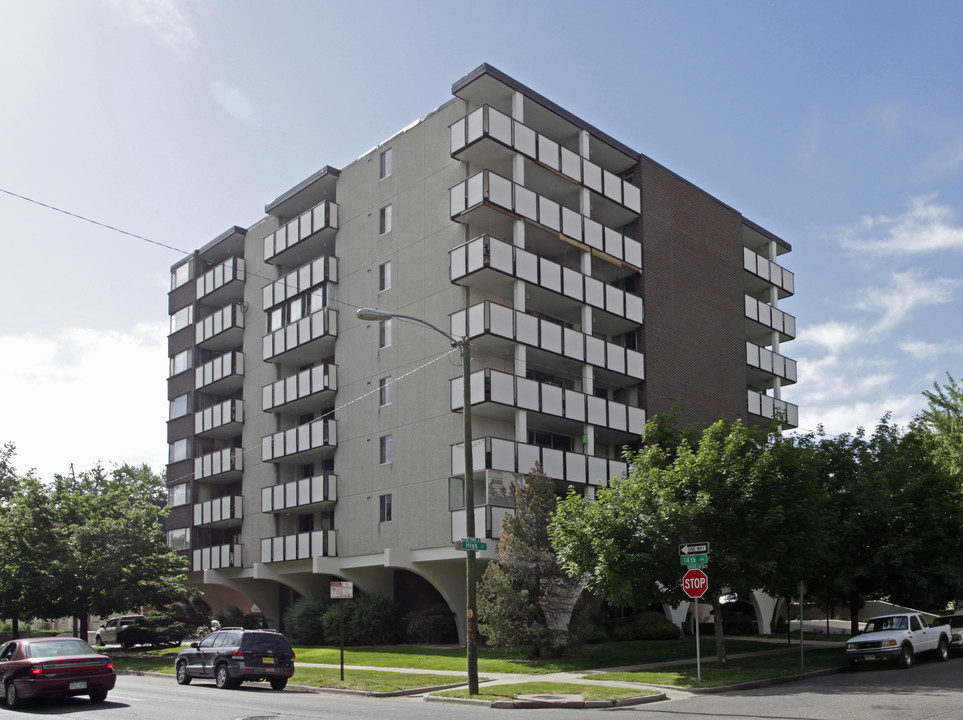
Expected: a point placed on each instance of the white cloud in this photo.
(907, 292)
(166, 19)
(236, 103)
(922, 350)
(85, 396)
(925, 226)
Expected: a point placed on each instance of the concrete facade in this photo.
(595, 286)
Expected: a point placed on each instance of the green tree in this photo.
(524, 597)
(112, 553)
(943, 418)
(728, 488)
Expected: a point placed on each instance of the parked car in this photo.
(34, 667)
(235, 655)
(109, 630)
(898, 637)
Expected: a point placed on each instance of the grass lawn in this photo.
(739, 670)
(510, 692)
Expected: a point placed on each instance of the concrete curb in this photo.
(566, 702)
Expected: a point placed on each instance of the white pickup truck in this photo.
(898, 637)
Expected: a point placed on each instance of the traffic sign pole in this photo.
(698, 647)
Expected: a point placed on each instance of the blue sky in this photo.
(837, 126)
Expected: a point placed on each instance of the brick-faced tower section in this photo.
(693, 289)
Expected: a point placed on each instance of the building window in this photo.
(384, 333)
(385, 163)
(182, 318)
(180, 363)
(180, 275)
(384, 508)
(180, 406)
(384, 276)
(384, 390)
(179, 494)
(384, 224)
(179, 450)
(385, 449)
(179, 538)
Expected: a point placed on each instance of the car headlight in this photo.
(850, 646)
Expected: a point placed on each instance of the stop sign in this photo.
(695, 583)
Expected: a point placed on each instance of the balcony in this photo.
(765, 273)
(765, 363)
(769, 407)
(216, 557)
(316, 491)
(224, 375)
(223, 284)
(309, 389)
(306, 237)
(221, 330)
(495, 329)
(492, 265)
(220, 467)
(491, 201)
(302, 546)
(489, 138)
(320, 270)
(310, 338)
(497, 394)
(223, 420)
(222, 512)
(491, 453)
(306, 443)
(762, 319)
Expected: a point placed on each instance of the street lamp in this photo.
(471, 625)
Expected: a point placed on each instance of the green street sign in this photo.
(472, 544)
(693, 560)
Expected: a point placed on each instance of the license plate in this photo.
(78, 685)
(268, 660)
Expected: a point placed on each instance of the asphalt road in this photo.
(928, 691)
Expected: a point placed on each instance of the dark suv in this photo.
(234, 655)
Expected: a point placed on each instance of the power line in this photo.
(92, 222)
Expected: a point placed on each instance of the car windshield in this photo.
(58, 648)
(893, 622)
(263, 642)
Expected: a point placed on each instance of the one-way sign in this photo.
(694, 548)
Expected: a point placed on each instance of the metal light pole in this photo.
(471, 624)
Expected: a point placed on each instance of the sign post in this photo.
(694, 584)
(342, 591)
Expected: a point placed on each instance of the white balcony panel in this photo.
(594, 292)
(593, 233)
(571, 224)
(618, 469)
(549, 213)
(636, 419)
(573, 343)
(476, 189)
(632, 197)
(526, 328)
(790, 326)
(502, 388)
(635, 364)
(548, 152)
(592, 176)
(594, 351)
(752, 354)
(615, 357)
(476, 320)
(476, 385)
(752, 308)
(501, 320)
(575, 468)
(503, 454)
(526, 266)
(525, 140)
(528, 455)
(476, 125)
(634, 309)
(551, 337)
(500, 126)
(617, 416)
(571, 164)
(526, 203)
(457, 203)
(598, 470)
(791, 369)
(572, 284)
(596, 410)
(614, 300)
(501, 256)
(500, 190)
(476, 256)
(633, 252)
(553, 462)
(550, 275)
(612, 186)
(613, 242)
(575, 405)
(527, 394)
(552, 400)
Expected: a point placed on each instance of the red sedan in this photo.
(35, 667)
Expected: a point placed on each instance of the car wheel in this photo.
(183, 677)
(14, 700)
(943, 650)
(853, 663)
(98, 696)
(279, 683)
(223, 679)
(905, 658)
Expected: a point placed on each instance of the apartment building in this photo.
(595, 286)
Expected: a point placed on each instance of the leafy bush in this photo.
(368, 620)
(435, 624)
(159, 628)
(235, 617)
(646, 626)
(303, 621)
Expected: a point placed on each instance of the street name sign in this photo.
(472, 544)
(695, 583)
(699, 548)
(693, 560)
